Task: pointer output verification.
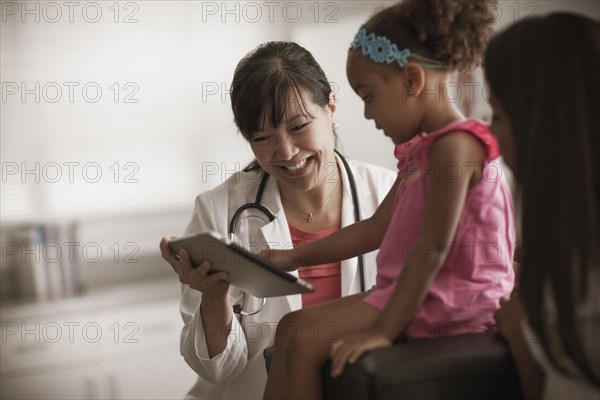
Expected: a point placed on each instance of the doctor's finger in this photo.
(185, 262)
(202, 270)
(168, 254)
(215, 278)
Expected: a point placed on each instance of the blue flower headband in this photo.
(381, 50)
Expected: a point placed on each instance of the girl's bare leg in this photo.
(303, 344)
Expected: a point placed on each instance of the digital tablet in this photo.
(247, 271)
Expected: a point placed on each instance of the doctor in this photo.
(282, 105)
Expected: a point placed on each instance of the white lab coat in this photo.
(239, 371)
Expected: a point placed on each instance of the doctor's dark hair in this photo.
(267, 78)
(544, 74)
(453, 32)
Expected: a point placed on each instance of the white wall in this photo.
(178, 139)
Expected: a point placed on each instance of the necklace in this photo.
(309, 215)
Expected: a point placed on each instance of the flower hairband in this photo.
(381, 50)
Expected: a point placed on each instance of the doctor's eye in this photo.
(299, 127)
(260, 139)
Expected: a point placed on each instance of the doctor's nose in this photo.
(286, 148)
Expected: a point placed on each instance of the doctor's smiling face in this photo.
(282, 104)
(299, 151)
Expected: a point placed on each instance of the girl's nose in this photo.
(367, 113)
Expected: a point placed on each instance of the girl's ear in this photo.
(414, 76)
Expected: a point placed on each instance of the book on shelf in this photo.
(45, 261)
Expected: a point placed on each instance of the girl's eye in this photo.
(299, 127)
(366, 99)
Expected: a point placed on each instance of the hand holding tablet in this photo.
(253, 274)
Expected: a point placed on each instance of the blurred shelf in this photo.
(101, 298)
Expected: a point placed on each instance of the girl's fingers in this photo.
(355, 355)
(339, 361)
(335, 347)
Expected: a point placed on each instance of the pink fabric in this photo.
(326, 278)
(478, 269)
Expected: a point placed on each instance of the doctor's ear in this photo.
(333, 100)
(332, 105)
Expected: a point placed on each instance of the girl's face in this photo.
(299, 152)
(385, 97)
(501, 128)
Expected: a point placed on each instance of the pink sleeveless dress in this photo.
(478, 268)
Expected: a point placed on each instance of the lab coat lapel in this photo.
(277, 233)
(350, 272)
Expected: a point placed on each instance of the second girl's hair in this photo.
(268, 77)
(452, 32)
(544, 74)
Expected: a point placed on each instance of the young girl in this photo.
(445, 229)
(549, 135)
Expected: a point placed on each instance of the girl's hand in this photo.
(349, 349)
(213, 285)
(508, 317)
(281, 258)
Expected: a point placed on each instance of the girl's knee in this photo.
(292, 319)
(288, 323)
(294, 327)
(302, 336)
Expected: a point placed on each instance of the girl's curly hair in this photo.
(450, 31)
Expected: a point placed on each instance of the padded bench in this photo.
(474, 366)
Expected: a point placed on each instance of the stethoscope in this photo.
(256, 205)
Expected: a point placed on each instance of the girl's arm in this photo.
(351, 241)
(443, 209)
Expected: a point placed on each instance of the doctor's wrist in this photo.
(214, 299)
